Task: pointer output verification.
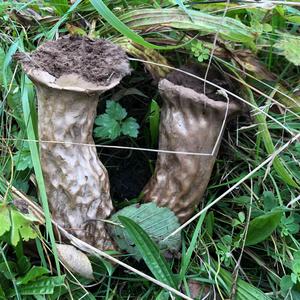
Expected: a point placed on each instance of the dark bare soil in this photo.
(94, 60)
(196, 84)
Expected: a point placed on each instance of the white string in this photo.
(112, 147)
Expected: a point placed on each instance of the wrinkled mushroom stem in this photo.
(190, 122)
(77, 183)
(69, 75)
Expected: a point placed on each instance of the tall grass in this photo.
(256, 173)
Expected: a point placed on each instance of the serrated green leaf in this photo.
(130, 127)
(115, 110)
(262, 227)
(108, 128)
(149, 252)
(22, 159)
(158, 222)
(4, 219)
(34, 273)
(21, 228)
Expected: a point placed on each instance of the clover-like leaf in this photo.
(21, 227)
(130, 127)
(108, 127)
(22, 159)
(115, 110)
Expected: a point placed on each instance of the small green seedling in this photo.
(199, 51)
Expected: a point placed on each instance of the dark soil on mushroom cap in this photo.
(97, 61)
(197, 85)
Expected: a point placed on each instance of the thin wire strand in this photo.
(112, 147)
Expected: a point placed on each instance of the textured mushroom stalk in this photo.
(190, 122)
(77, 183)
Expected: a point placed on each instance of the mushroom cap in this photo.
(76, 64)
(173, 91)
(192, 89)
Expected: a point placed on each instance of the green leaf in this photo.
(286, 283)
(289, 46)
(297, 255)
(130, 127)
(296, 266)
(173, 18)
(34, 273)
(241, 216)
(158, 222)
(115, 110)
(269, 201)
(108, 128)
(21, 228)
(4, 219)
(154, 116)
(42, 286)
(294, 278)
(149, 252)
(22, 159)
(262, 227)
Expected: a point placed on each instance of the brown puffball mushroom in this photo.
(70, 74)
(190, 122)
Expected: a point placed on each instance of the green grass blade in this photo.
(182, 6)
(174, 18)
(279, 165)
(186, 257)
(26, 88)
(51, 33)
(116, 23)
(244, 290)
(6, 62)
(149, 252)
